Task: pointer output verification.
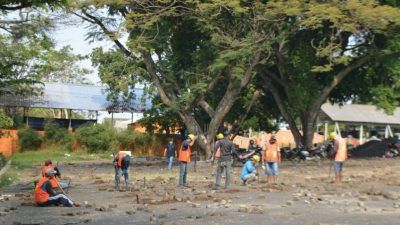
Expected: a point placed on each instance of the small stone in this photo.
(162, 216)
(361, 204)
(223, 202)
(289, 203)
(153, 218)
(113, 206)
(101, 209)
(131, 212)
(3, 213)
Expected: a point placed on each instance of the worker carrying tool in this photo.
(184, 158)
(249, 172)
(121, 163)
(49, 165)
(44, 194)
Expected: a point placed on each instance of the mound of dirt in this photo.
(371, 148)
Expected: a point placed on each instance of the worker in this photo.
(227, 149)
(271, 159)
(121, 162)
(170, 152)
(216, 152)
(340, 155)
(249, 172)
(44, 194)
(49, 165)
(184, 158)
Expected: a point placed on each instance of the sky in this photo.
(74, 35)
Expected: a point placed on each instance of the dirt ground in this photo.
(304, 195)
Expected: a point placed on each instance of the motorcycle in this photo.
(317, 153)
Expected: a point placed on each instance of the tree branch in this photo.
(237, 125)
(209, 110)
(109, 33)
(282, 108)
(148, 61)
(323, 95)
(17, 7)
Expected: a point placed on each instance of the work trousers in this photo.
(221, 166)
(170, 161)
(183, 167)
(57, 200)
(124, 172)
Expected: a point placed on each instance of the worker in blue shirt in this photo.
(249, 172)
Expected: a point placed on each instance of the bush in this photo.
(55, 134)
(133, 140)
(5, 121)
(3, 160)
(29, 139)
(95, 137)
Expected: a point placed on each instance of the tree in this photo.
(198, 55)
(22, 43)
(62, 66)
(336, 50)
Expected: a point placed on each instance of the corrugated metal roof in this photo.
(77, 97)
(356, 113)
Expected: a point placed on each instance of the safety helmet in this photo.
(332, 135)
(256, 158)
(220, 136)
(191, 137)
(47, 162)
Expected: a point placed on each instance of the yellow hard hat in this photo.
(220, 136)
(191, 136)
(256, 158)
(332, 135)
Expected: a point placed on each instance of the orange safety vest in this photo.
(120, 156)
(341, 154)
(53, 182)
(272, 153)
(184, 155)
(41, 196)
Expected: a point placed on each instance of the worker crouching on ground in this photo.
(227, 150)
(44, 194)
(121, 163)
(272, 157)
(184, 158)
(340, 155)
(49, 165)
(249, 172)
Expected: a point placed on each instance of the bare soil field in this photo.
(305, 194)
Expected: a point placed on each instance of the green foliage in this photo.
(5, 121)
(62, 66)
(96, 137)
(29, 139)
(3, 160)
(136, 141)
(57, 135)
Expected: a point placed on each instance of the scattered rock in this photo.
(215, 213)
(101, 209)
(131, 212)
(113, 206)
(162, 216)
(391, 195)
(360, 204)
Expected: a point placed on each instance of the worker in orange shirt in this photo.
(184, 157)
(340, 154)
(121, 163)
(44, 194)
(49, 165)
(271, 159)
